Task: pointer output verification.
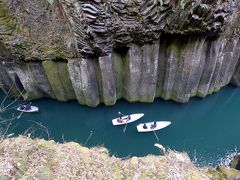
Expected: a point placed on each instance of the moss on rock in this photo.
(59, 80)
(26, 158)
(35, 35)
(213, 174)
(8, 23)
(10, 31)
(229, 173)
(235, 163)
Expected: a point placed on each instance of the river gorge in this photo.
(173, 59)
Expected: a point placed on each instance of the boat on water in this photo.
(127, 119)
(152, 126)
(27, 108)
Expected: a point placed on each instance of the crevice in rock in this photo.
(18, 83)
(119, 63)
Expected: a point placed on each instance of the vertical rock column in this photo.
(225, 54)
(189, 71)
(214, 85)
(133, 72)
(211, 62)
(181, 63)
(230, 54)
(119, 59)
(236, 76)
(83, 77)
(141, 72)
(58, 77)
(108, 84)
(167, 68)
(149, 72)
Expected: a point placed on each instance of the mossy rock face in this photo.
(35, 35)
(8, 23)
(59, 80)
(117, 173)
(235, 163)
(228, 173)
(84, 150)
(45, 173)
(195, 175)
(10, 30)
(50, 160)
(214, 174)
(134, 162)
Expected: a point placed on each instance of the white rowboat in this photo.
(149, 126)
(125, 119)
(32, 109)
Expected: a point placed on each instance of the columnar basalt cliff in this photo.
(100, 51)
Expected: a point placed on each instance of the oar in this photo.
(20, 115)
(90, 135)
(126, 121)
(125, 126)
(155, 135)
(121, 113)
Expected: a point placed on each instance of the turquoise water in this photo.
(207, 129)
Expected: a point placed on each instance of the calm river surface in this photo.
(207, 129)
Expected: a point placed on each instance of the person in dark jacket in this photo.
(144, 126)
(154, 125)
(28, 107)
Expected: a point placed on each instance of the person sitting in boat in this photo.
(144, 126)
(120, 120)
(129, 117)
(154, 125)
(27, 107)
(22, 107)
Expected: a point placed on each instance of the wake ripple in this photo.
(228, 157)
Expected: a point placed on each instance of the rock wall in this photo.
(174, 69)
(98, 52)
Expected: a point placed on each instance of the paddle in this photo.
(121, 113)
(155, 135)
(20, 115)
(90, 135)
(126, 121)
(153, 126)
(125, 126)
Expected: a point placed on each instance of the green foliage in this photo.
(182, 4)
(161, 2)
(7, 22)
(50, 1)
